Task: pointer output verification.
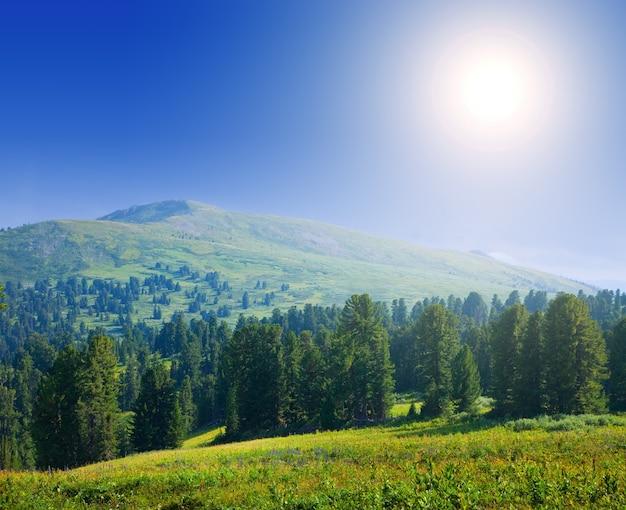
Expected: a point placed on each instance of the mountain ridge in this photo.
(323, 263)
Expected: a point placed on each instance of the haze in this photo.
(334, 111)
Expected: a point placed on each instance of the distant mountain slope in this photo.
(321, 263)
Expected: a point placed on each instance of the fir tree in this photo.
(465, 381)
(97, 409)
(617, 383)
(158, 421)
(530, 383)
(55, 428)
(437, 340)
(506, 339)
(576, 364)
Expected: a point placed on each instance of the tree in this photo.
(513, 299)
(529, 390)
(617, 365)
(465, 381)
(478, 341)
(188, 409)
(402, 348)
(576, 360)
(158, 421)
(292, 354)
(475, 308)
(399, 312)
(506, 339)
(438, 341)
(55, 428)
(130, 383)
(255, 377)
(9, 429)
(96, 409)
(367, 348)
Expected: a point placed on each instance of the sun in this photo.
(492, 90)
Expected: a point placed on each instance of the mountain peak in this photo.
(150, 213)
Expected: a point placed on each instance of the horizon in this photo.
(344, 114)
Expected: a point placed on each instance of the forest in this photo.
(72, 395)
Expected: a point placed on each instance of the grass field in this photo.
(572, 462)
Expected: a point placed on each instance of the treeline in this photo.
(67, 398)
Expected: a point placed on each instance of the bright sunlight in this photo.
(492, 90)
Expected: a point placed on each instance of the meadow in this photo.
(563, 462)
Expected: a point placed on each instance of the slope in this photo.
(319, 263)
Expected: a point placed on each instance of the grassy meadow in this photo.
(570, 462)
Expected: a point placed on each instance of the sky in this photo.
(491, 126)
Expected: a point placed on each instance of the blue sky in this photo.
(320, 110)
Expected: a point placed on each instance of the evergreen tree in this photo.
(55, 428)
(9, 430)
(478, 341)
(187, 406)
(475, 308)
(617, 365)
(255, 376)
(399, 312)
(576, 364)
(293, 412)
(506, 339)
(530, 385)
(402, 350)
(96, 409)
(130, 383)
(367, 348)
(312, 371)
(158, 421)
(513, 299)
(465, 381)
(438, 341)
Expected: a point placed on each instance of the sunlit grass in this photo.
(435, 464)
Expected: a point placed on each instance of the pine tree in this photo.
(366, 346)
(55, 428)
(293, 411)
(465, 381)
(576, 360)
(506, 339)
(617, 365)
(254, 367)
(187, 406)
(9, 430)
(97, 409)
(438, 341)
(158, 421)
(478, 341)
(530, 382)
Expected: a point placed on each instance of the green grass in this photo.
(437, 464)
(323, 264)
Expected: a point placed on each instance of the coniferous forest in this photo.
(71, 395)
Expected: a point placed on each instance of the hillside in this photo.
(571, 462)
(319, 263)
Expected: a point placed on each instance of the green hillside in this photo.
(320, 263)
(568, 462)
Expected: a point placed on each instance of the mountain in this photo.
(299, 261)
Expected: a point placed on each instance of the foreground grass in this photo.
(412, 465)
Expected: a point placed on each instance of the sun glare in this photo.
(492, 90)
